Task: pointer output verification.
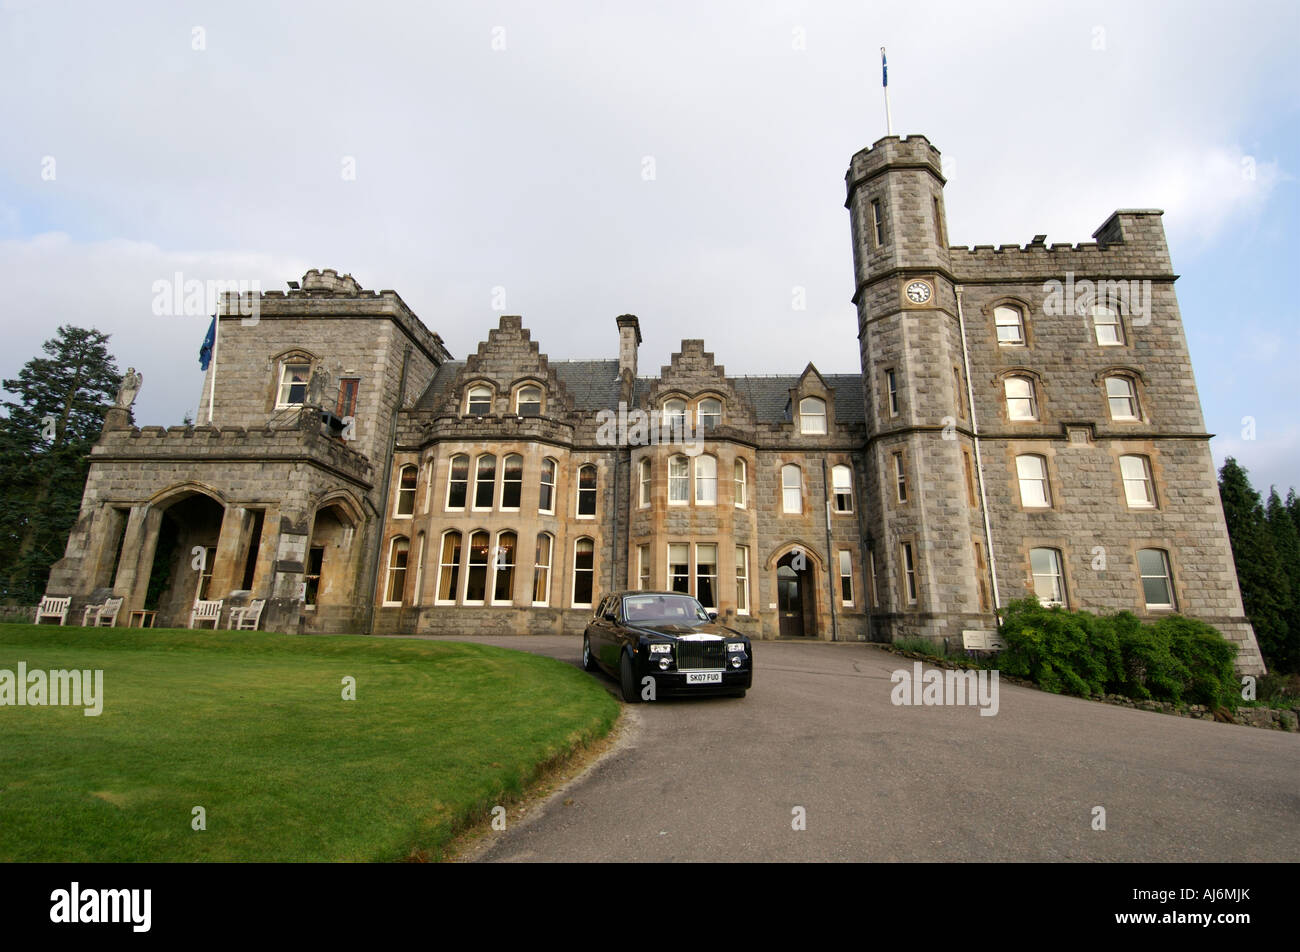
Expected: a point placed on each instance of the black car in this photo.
(671, 640)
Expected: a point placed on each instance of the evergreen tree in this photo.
(1286, 542)
(45, 440)
(1263, 583)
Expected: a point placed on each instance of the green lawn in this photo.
(252, 727)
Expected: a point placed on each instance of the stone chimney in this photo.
(629, 339)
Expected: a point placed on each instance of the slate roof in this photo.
(768, 395)
(594, 385)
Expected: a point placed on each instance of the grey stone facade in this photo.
(404, 490)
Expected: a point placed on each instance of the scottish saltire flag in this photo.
(884, 68)
(205, 352)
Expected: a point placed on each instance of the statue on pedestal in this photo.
(128, 389)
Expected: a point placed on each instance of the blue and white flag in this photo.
(205, 352)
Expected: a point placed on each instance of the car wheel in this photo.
(588, 662)
(627, 680)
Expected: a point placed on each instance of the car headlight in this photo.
(661, 649)
(736, 661)
(735, 646)
(664, 664)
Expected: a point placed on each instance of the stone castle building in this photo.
(1026, 421)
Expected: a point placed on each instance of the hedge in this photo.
(1175, 659)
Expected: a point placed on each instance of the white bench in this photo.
(205, 611)
(102, 616)
(249, 617)
(53, 608)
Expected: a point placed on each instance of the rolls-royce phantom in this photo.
(658, 643)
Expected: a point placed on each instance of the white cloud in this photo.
(108, 285)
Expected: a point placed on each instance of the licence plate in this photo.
(704, 677)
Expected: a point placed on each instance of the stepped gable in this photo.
(508, 356)
(692, 371)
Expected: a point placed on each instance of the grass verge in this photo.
(252, 727)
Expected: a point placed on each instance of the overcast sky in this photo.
(507, 145)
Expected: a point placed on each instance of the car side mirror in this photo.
(713, 616)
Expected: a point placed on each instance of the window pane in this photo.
(792, 488)
(397, 557)
(485, 482)
(406, 491)
(530, 401)
(512, 481)
(449, 573)
(706, 574)
(812, 415)
(706, 479)
(587, 491)
(1046, 567)
(458, 482)
(542, 570)
(480, 401)
(504, 590)
(710, 413)
(584, 571)
(546, 498)
(1010, 327)
(742, 579)
(679, 567)
(679, 489)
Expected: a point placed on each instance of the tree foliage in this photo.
(53, 418)
(1266, 551)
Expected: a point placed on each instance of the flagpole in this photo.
(884, 81)
(216, 340)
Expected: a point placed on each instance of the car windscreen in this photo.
(674, 609)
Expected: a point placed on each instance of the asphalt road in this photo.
(719, 779)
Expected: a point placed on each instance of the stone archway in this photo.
(796, 595)
(179, 561)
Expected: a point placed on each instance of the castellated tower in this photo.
(1032, 420)
(924, 531)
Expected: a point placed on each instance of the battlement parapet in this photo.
(326, 295)
(305, 442)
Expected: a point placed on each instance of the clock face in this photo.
(918, 292)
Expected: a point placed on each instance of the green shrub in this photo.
(1207, 657)
(1174, 659)
(1059, 650)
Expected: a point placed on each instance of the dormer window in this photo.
(528, 401)
(812, 415)
(293, 384)
(710, 413)
(478, 402)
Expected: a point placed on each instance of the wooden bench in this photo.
(249, 617)
(102, 616)
(205, 611)
(54, 608)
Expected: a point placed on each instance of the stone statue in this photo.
(128, 389)
(318, 385)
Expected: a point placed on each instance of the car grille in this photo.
(692, 655)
